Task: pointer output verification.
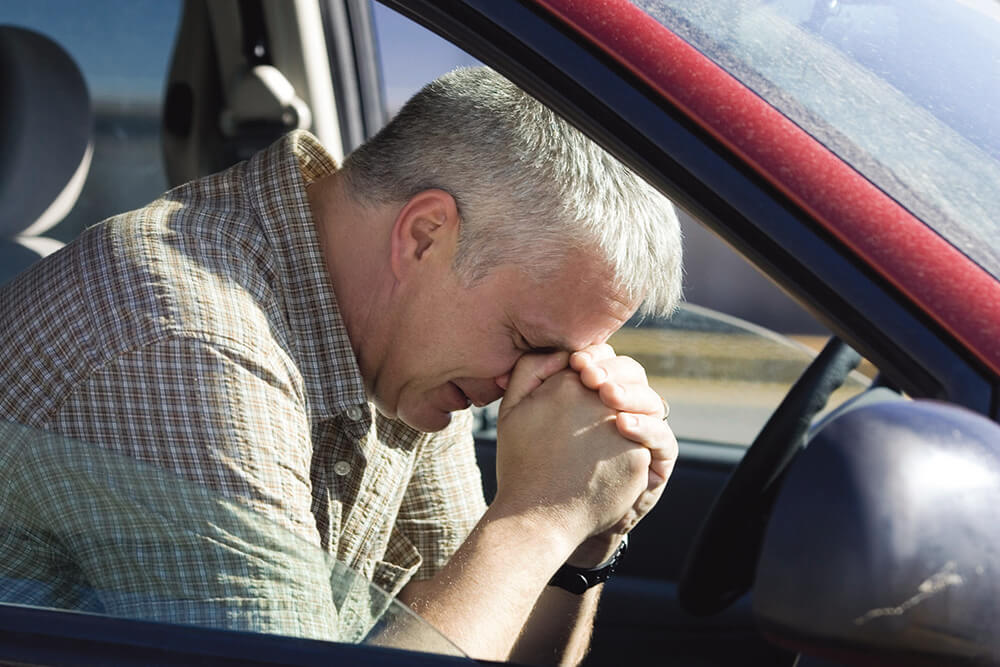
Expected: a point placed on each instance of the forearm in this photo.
(482, 598)
(558, 631)
(559, 628)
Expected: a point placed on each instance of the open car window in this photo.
(87, 530)
(723, 375)
(109, 538)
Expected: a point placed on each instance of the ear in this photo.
(425, 233)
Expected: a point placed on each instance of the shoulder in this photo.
(180, 270)
(159, 273)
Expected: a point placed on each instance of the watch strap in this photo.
(578, 579)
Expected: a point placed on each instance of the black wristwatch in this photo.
(578, 579)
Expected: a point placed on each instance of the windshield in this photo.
(87, 530)
(906, 91)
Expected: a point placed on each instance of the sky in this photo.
(411, 55)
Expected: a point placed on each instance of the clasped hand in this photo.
(582, 438)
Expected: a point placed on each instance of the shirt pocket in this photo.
(400, 561)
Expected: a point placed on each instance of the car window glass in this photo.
(723, 372)
(88, 530)
(123, 48)
(904, 90)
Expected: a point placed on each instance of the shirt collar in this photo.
(277, 179)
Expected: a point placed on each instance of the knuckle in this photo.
(609, 394)
(629, 365)
(638, 460)
(604, 348)
(568, 380)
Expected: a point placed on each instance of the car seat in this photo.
(46, 144)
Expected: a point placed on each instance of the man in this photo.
(239, 331)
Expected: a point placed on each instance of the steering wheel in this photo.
(720, 565)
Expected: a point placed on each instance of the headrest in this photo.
(45, 132)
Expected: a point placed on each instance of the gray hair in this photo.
(530, 188)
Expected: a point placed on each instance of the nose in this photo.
(481, 391)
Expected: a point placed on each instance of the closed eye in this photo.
(526, 346)
(520, 343)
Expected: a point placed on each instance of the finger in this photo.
(648, 499)
(623, 370)
(637, 398)
(656, 436)
(529, 373)
(590, 355)
(659, 472)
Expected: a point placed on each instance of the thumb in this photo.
(530, 371)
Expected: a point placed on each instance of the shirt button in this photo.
(354, 413)
(341, 468)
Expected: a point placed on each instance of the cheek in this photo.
(501, 361)
(487, 355)
(477, 350)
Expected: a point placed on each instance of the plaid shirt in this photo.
(201, 335)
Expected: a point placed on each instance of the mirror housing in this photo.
(883, 546)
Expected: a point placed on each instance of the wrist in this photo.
(595, 550)
(579, 580)
(547, 539)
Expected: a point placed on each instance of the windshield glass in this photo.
(87, 530)
(906, 91)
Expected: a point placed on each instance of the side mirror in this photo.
(883, 546)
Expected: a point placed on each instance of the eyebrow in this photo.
(538, 341)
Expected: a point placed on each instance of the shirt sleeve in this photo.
(215, 525)
(444, 499)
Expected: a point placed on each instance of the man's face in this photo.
(455, 345)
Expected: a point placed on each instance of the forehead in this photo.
(570, 311)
